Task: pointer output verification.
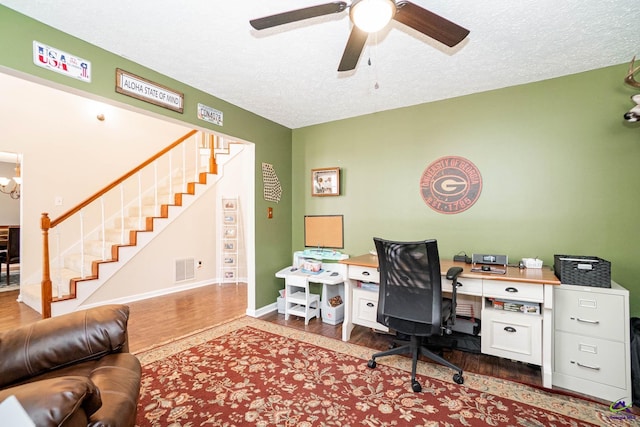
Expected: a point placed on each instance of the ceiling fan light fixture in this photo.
(372, 15)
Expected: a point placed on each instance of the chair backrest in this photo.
(13, 245)
(410, 295)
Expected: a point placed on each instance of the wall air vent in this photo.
(185, 269)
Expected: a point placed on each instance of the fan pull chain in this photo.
(376, 86)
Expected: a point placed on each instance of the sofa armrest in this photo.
(61, 341)
(56, 401)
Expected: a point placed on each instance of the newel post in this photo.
(46, 291)
(213, 166)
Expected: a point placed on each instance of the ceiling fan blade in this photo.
(298, 15)
(430, 24)
(353, 49)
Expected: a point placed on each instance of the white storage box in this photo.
(332, 315)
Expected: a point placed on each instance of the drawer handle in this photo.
(511, 289)
(369, 304)
(582, 365)
(365, 273)
(593, 322)
(510, 329)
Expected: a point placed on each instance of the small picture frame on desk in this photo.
(325, 182)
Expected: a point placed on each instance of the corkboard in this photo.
(325, 231)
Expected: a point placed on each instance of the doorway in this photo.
(10, 195)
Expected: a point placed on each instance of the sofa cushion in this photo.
(61, 341)
(117, 376)
(62, 401)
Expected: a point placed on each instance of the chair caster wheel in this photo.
(371, 363)
(457, 378)
(415, 386)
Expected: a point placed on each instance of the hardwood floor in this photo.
(163, 318)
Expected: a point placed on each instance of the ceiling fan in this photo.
(370, 16)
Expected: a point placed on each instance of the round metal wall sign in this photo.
(451, 185)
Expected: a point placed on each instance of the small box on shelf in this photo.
(516, 306)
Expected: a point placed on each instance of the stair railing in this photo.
(112, 202)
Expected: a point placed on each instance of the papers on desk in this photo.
(324, 276)
(369, 286)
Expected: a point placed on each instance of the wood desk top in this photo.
(544, 275)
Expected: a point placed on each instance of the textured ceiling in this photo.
(288, 74)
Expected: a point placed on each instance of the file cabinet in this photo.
(591, 341)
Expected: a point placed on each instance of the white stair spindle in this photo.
(156, 208)
(171, 173)
(139, 201)
(196, 159)
(122, 214)
(184, 166)
(59, 284)
(104, 237)
(82, 243)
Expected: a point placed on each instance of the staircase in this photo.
(88, 244)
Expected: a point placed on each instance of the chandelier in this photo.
(13, 192)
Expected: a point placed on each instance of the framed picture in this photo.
(229, 260)
(229, 217)
(229, 204)
(229, 274)
(325, 182)
(229, 233)
(229, 245)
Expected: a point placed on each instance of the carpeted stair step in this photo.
(98, 248)
(116, 235)
(74, 262)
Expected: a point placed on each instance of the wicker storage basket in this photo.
(582, 270)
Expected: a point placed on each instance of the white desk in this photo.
(332, 274)
(518, 336)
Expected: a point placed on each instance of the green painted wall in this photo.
(559, 167)
(272, 141)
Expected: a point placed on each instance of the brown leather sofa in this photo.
(73, 369)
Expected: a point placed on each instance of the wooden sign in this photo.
(145, 90)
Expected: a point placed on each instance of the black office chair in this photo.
(12, 254)
(410, 299)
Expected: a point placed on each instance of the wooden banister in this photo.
(118, 181)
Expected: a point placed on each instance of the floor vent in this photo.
(185, 269)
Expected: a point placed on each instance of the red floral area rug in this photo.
(254, 373)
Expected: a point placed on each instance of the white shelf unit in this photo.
(229, 241)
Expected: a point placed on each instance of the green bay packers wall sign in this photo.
(451, 185)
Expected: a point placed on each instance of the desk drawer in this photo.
(513, 290)
(465, 286)
(514, 336)
(364, 274)
(590, 313)
(365, 309)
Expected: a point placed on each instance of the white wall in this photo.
(9, 208)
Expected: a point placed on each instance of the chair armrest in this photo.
(54, 401)
(61, 341)
(452, 274)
